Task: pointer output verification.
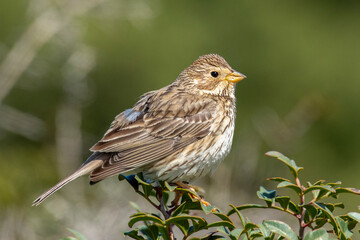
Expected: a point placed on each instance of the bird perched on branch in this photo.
(176, 134)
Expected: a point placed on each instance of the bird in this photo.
(178, 133)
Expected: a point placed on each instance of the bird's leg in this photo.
(193, 189)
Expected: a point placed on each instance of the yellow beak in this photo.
(235, 77)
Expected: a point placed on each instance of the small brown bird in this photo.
(177, 133)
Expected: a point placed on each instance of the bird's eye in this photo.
(214, 74)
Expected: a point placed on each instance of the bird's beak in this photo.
(235, 77)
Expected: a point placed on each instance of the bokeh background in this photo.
(68, 67)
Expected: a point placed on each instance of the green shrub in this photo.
(316, 217)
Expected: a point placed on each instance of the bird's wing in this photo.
(136, 138)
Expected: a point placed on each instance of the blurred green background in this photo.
(67, 68)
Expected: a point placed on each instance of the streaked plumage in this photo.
(177, 133)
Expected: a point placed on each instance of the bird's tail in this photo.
(88, 167)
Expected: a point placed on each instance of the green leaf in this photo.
(329, 215)
(198, 225)
(145, 217)
(179, 209)
(343, 227)
(294, 208)
(280, 228)
(310, 213)
(290, 185)
(134, 234)
(278, 179)
(78, 236)
(245, 206)
(355, 216)
(326, 188)
(250, 226)
(151, 231)
(335, 183)
(265, 231)
(319, 234)
(294, 169)
(185, 217)
(190, 204)
(320, 221)
(183, 225)
(267, 195)
(209, 236)
(207, 209)
(283, 201)
(222, 223)
(348, 190)
(241, 217)
(235, 233)
(223, 217)
(223, 230)
(130, 179)
(169, 187)
(319, 182)
(140, 180)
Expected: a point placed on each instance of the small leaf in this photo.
(179, 209)
(183, 225)
(326, 188)
(130, 179)
(280, 228)
(151, 231)
(355, 216)
(235, 233)
(267, 195)
(348, 190)
(134, 234)
(335, 183)
(290, 163)
(223, 217)
(319, 234)
(140, 180)
(169, 187)
(245, 206)
(290, 185)
(294, 208)
(222, 223)
(207, 209)
(250, 226)
(78, 236)
(223, 230)
(320, 221)
(310, 213)
(265, 231)
(278, 179)
(319, 182)
(343, 227)
(329, 215)
(185, 217)
(283, 201)
(145, 217)
(209, 236)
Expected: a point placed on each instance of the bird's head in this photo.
(210, 74)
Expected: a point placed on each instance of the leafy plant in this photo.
(316, 217)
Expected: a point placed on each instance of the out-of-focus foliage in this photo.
(68, 67)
